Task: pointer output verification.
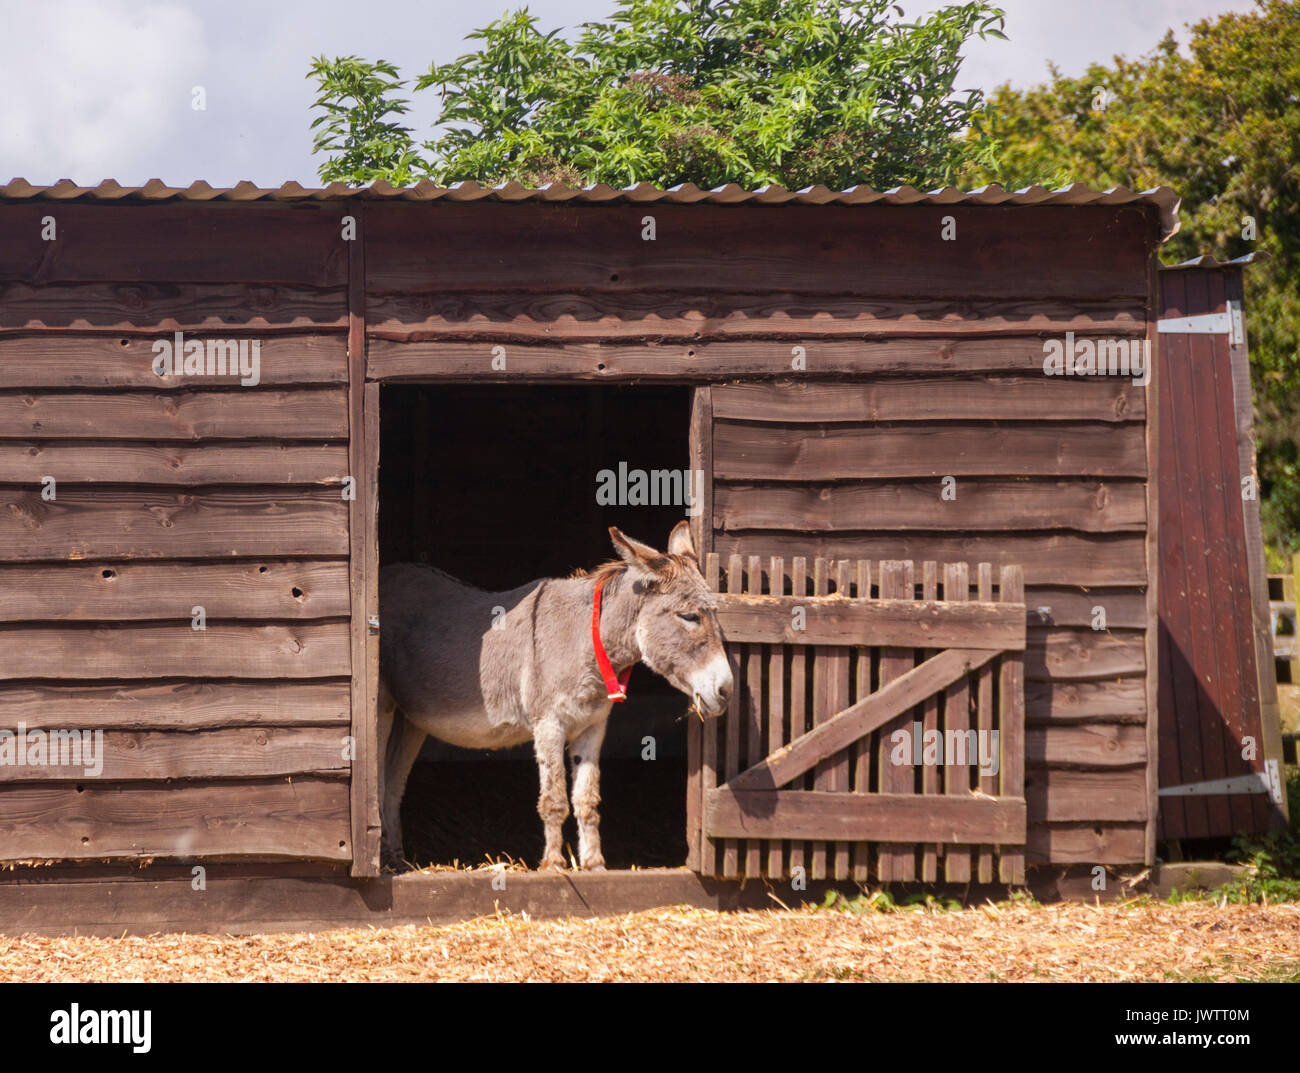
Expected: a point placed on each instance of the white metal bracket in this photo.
(1229, 324)
(1260, 782)
(1203, 324)
(1274, 782)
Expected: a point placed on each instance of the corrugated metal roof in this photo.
(1208, 260)
(642, 193)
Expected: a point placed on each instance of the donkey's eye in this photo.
(693, 619)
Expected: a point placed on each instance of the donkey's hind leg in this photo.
(552, 801)
(404, 741)
(387, 716)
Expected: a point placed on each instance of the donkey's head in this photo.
(677, 624)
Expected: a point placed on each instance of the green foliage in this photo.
(1272, 862)
(1221, 126)
(881, 901)
(752, 92)
(356, 129)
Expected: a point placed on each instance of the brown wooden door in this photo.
(868, 695)
(1220, 738)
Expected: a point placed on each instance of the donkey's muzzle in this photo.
(712, 693)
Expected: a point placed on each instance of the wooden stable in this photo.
(865, 400)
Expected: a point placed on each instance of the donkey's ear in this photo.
(635, 553)
(679, 541)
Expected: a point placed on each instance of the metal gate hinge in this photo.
(1238, 334)
(1230, 324)
(1260, 782)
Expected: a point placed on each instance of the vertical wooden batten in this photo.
(1152, 633)
(1271, 730)
(363, 461)
(701, 463)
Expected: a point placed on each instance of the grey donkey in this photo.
(488, 670)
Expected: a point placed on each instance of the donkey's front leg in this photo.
(552, 802)
(584, 751)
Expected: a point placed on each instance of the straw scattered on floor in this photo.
(1007, 942)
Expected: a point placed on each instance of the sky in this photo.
(104, 89)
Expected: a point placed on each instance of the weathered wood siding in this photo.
(1065, 499)
(856, 359)
(921, 359)
(174, 493)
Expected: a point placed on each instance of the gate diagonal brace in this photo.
(862, 718)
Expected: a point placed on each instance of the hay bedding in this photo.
(1005, 942)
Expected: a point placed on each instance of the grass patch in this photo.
(882, 901)
(1272, 862)
(1243, 971)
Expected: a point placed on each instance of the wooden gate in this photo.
(852, 748)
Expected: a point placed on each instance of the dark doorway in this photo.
(497, 485)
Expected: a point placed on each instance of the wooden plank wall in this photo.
(890, 358)
(1210, 698)
(172, 493)
(812, 466)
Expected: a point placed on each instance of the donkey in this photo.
(544, 662)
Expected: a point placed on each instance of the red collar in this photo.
(615, 684)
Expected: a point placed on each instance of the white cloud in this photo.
(88, 88)
(1075, 33)
(101, 90)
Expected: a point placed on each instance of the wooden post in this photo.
(363, 462)
(775, 707)
(753, 713)
(701, 449)
(1151, 644)
(956, 718)
(1289, 593)
(1265, 666)
(1011, 723)
(988, 784)
(931, 776)
(708, 853)
(734, 715)
(798, 698)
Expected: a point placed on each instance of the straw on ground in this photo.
(1006, 942)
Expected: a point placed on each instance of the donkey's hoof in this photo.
(551, 864)
(595, 864)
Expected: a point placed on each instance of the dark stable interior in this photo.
(497, 485)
